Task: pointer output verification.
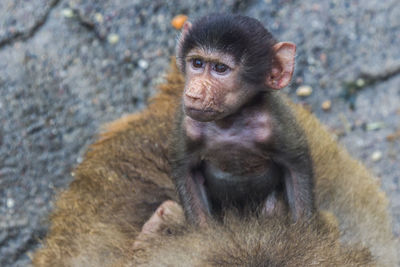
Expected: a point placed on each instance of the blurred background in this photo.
(69, 66)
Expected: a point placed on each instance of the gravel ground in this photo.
(68, 66)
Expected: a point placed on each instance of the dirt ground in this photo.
(69, 66)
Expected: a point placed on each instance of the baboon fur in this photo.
(125, 177)
(248, 241)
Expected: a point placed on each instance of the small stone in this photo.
(316, 7)
(159, 52)
(326, 105)
(376, 156)
(360, 82)
(299, 80)
(63, 74)
(127, 55)
(178, 21)
(113, 38)
(10, 203)
(67, 12)
(323, 58)
(104, 63)
(359, 123)
(392, 137)
(98, 17)
(304, 90)
(143, 64)
(373, 126)
(84, 49)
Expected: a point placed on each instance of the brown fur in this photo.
(346, 188)
(124, 178)
(250, 242)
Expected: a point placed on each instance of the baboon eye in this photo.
(220, 68)
(197, 63)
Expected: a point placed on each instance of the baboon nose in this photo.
(193, 96)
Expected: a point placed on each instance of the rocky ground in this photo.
(68, 66)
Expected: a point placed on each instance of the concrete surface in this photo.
(68, 66)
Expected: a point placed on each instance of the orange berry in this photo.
(178, 21)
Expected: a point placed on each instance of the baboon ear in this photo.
(283, 66)
(185, 30)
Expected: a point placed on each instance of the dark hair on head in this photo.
(243, 37)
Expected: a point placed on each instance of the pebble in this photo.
(373, 126)
(10, 203)
(326, 105)
(105, 63)
(98, 17)
(304, 90)
(127, 55)
(113, 38)
(360, 82)
(376, 156)
(178, 21)
(394, 136)
(143, 64)
(67, 12)
(63, 74)
(299, 80)
(84, 49)
(323, 57)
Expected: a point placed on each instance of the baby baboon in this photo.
(237, 142)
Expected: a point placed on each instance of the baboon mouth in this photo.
(201, 114)
(202, 110)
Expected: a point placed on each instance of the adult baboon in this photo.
(125, 177)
